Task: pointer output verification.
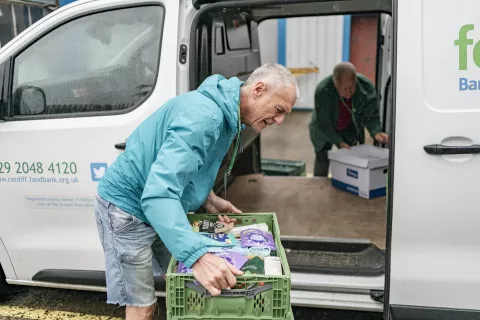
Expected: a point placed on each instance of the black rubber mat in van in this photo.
(364, 259)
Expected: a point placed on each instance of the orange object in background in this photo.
(363, 44)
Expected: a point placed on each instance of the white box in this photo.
(361, 170)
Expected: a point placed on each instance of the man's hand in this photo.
(382, 138)
(215, 204)
(343, 145)
(215, 273)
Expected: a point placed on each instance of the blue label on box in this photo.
(352, 173)
(380, 192)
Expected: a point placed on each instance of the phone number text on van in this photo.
(38, 167)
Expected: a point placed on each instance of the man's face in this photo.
(268, 106)
(346, 87)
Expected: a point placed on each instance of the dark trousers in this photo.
(349, 136)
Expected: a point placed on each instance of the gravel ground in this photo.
(53, 304)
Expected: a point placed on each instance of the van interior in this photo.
(324, 230)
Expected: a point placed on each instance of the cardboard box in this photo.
(361, 170)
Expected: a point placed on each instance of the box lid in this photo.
(363, 156)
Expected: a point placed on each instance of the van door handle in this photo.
(439, 149)
(121, 145)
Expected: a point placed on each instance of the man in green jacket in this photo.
(345, 104)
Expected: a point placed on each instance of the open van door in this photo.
(434, 247)
(311, 286)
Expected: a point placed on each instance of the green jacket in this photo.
(325, 115)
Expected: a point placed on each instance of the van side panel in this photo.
(48, 219)
(435, 228)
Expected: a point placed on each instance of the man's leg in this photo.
(127, 245)
(321, 162)
(146, 313)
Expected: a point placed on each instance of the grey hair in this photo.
(274, 74)
(342, 70)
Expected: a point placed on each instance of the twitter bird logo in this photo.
(98, 170)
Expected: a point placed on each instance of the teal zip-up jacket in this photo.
(171, 161)
(325, 115)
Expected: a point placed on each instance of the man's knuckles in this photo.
(218, 276)
(223, 268)
(232, 282)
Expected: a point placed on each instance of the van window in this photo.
(106, 61)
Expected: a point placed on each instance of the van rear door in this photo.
(434, 243)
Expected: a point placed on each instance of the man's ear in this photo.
(259, 89)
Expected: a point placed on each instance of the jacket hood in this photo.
(226, 94)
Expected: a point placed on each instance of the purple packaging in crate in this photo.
(257, 238)
(182, 269)
(234, 258)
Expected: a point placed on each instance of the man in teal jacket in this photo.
(168, 169)
(345, 103)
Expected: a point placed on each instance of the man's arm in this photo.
(372, 116)
(189, 139)
(322, 109)
(215, 204)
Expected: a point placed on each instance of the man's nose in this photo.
(279, 119)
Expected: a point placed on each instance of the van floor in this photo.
(311, 207)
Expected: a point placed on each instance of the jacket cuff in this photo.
(336, 141)
(194, 257)
(374, 131)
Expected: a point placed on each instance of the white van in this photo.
(65, 119)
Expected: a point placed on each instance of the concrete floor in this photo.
(290, 141)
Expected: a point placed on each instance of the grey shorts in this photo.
(134, 253)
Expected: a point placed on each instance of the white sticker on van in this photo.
(59, 202)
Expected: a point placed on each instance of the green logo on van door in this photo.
(465, 84)
(463, 42)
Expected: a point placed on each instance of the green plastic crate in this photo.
(276, 167)
(185, 300)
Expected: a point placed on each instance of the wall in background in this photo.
(363, 44)
(313, 42)
(306, 42)
(320, 42)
